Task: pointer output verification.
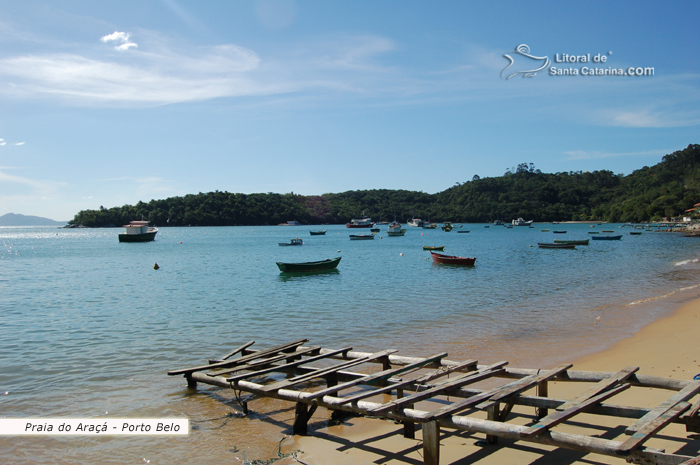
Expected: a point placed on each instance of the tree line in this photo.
(666, 189)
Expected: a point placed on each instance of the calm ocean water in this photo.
(88, 328)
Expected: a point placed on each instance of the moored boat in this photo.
(327, 264)
(463, 232)
(547, 245)
(452, 259)
(447, 227)
(138, 231)
(635, 233)
(415, 222)
(318, 233)
(360, 237)
(573, 242)
(557, 231)
(607, 238)
(295, 241)
(360, 223)
(426, 247)
(395, 229)
(521, 222)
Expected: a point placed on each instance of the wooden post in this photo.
(431, 443)
(301, 418)
(542, 391)
(409, 427)
(493, 415)
(192, 384)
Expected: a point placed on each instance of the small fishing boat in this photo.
(395, 229)
(486, 226)
(608, 231)
(521, 222)
(415, 222)
(573, 242)
(426, 247)
(452, 259)
(428, 225)
(557, 231)
(360, 237)
(466, 231)
(593, 232)
(607, 238)
(295, 241)
(327, 264)
(318, 233)
(544, 230)
(635, 233)
(447, 227)
(375, 230)
(138, 231)
(547, 245)
(363, 222)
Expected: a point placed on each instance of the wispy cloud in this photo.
(594, 155)
(649, 118)
(122, 37)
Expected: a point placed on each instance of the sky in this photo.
(112, 103)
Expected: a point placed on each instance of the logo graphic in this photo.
(524, 51)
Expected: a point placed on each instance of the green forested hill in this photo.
(650, 193)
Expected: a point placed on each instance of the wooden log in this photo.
(240, 360)
(286, 365)
(681, 396)
(474, 377)
(253, 365)
(601, 386)
(316, 374)
(559, 417)
(649, 429)
(382, 375)
(239, 349)
(431, 443)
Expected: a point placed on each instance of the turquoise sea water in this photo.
(88, 328)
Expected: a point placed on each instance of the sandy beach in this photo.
(668, 347)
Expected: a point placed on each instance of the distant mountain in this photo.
(12, 219)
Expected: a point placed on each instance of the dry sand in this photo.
(669, 347)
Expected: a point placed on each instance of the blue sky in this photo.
(109, 103)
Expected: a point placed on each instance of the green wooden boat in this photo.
(318, 233)
(327, 264)
(426, 247)
(572, 242)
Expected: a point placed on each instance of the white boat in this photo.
(521, 222)
(395, 230)
(427, 225)
(138, 231)
(360, 222)
(415, 222)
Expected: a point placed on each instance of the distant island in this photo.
(666, 191)
(15, 219)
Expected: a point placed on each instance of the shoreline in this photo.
(666, 347)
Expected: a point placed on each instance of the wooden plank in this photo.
(324, 371)
(469, 378)
(649, 429)
(240, 349)
(381, 376)
(287, 365)
(681, 396)
(400, 384)
(240, 360)
(559, 417)
(522, 385)
(600, 387)
(431, 443)
(258, 363)
(693, 461)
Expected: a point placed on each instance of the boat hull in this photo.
(361, 237)
(318, 233)
(306, 267)
(400, 232)
(425, 247)
(452, 259)
(145, 237)
(572, 242)
(543, 245)
(607, 238)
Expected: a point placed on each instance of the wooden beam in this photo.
(649, 429)
(601, 386)
(267, 361)
(240, 360)
(239, 349)
(681, 396)
(522, 385)
(559, 417)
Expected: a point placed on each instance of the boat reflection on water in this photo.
(307, 275)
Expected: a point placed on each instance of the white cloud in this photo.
(19, 143)
(126, 46)
(116, 37)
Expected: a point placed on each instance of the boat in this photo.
(295, 241)
(607, 238)
(318, 233)
(427, 247)
(544, 230)
(395, 229)
(290, 223)
(608, 231)
(374, 230)
(547, 245)
(465, 231)
(635, 233)
(452, 259)
(327, 264)
(415, 222)
(360, 237)
(521, 222)
(138, 231)
(360, 223)
(574, 242)
(593, 232)
(447, 227)
(557, 231)
(498, 223)
(427, 225)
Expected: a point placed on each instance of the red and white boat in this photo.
(452, 259)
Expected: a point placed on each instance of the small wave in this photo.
(686, 262)
(663, 296)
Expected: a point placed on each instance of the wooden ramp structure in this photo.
(312, 377)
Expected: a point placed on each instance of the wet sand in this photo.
(668, 347)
